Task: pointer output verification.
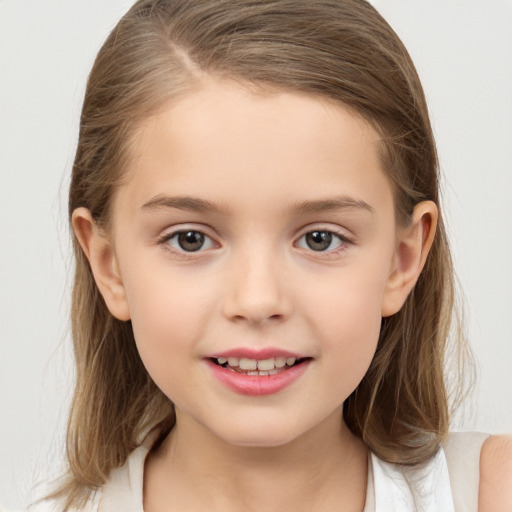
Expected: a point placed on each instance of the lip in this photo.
(257, 385)
(252, 353)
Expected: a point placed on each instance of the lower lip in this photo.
(258, 385)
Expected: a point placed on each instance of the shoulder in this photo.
(44, 499)
(495, 493)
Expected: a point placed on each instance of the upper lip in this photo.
(253, 353)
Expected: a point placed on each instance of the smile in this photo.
(270, 366)
(257, 376)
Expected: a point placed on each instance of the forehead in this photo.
(233, 144)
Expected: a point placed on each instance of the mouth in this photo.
(258, 372)
(258, 367)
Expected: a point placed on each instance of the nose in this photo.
(257, 291)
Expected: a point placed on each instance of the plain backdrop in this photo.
(463, 51)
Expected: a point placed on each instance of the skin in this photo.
(495, 492)
(256, 283)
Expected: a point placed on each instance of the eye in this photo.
(188, 241)
(321, 241)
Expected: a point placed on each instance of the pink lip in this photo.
(257, 385)
(252, 353)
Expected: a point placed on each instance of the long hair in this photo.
(337, 49)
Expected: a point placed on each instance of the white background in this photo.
(463, 51)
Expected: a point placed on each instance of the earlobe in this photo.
(413, 245)
(100, 253)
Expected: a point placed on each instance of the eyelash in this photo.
(166, 241)
(331, 235)
(343, 241)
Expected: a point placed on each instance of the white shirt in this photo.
(446, 483)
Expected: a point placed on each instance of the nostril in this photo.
(258, 317)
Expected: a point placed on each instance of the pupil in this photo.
(319, 240)
(191, 240)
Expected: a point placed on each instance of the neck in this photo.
(317, 471)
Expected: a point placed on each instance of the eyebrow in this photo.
(201, 205)
(329, 204)
(194, 204)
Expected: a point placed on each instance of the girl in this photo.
(263, 285)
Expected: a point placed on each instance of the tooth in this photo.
(273, 372)
(280, 362)
(290, 361)
(222, 360)
(248, 364)
(252, 373)
(233, 361)
(266, 364)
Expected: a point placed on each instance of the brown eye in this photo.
(319, 240)
(189, 241)
(322, 241)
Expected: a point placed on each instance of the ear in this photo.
(413, 245)
(100, 253)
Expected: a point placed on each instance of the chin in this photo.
(260, 434)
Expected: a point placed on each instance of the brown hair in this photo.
(337, 49)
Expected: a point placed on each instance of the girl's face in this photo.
(253, 229)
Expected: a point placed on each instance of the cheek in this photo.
(169, 318)
(348, 318)
(349, 302)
